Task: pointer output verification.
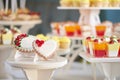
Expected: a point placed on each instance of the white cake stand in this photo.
(41, 70)
(5, 52)
(89, 15)
(26, 25)
(110, 66)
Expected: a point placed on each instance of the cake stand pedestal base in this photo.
(41, 70)
(39, 74)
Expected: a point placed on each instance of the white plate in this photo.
(51, 64)
(89, 58)
(20, 22)
(78, 8)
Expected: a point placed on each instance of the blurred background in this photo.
(50, 13)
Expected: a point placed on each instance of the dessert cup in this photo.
(100, 49)
(64, 43)
(70, 30)
(100, 30)
(113, 50)
(78, 29)
(7, 38)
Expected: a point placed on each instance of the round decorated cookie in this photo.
(23, 43)
(45, 49)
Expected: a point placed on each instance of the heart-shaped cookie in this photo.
(45, 49)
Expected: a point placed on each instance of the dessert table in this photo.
(110, 66)
(41, 70)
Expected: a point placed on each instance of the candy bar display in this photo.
(102, 47)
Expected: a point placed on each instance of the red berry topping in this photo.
(88, 38)
(118, 40)
(19, 38)
(102, 39)
(111, 42)
(95, 40)
(39, 42)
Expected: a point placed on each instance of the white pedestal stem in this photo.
(39, 74)
(90, 17)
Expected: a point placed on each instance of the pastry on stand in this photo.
(42, 64)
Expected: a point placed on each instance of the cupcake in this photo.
(113, 48)
(101, 3)
(84, 3)
(76, 3)
(42, 37)
(64, 43)
(7, 36)
(91, 3)
(115, 3)
(34, 15)
(45, 49)
(66, 3)
(106, 3)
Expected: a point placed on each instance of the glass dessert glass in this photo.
(86, 44)
(100, 30)
(99, 49)
(113, 50)
(70, 30)
(78, 29)
(55, 28)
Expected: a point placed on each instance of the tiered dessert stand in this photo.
(7, 50)
(41, 70)
(91, 17)
(110, 66)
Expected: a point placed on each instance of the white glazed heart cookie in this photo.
(45, 49)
